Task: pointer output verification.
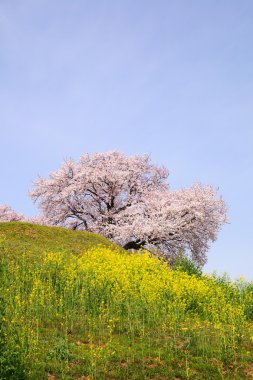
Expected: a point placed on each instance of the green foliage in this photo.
(185, 264)
(11, 360)
(60, 350)
(239, 290)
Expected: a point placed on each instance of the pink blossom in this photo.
(128, 200)
(7, 214)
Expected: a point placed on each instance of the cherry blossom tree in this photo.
(128, 200)
(7, 214)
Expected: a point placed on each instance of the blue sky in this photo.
(169, 78)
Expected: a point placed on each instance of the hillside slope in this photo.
(20, 237)
(73, 305)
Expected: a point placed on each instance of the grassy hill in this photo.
(73, 305)
(23, 237)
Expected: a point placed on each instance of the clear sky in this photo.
(169, 78)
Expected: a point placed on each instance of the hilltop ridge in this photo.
(20, 237)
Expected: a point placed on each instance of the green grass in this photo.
(23, 237)
(73, 305)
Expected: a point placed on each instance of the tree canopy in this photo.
(7, 214)
(128, 200)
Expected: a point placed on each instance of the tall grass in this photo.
(108, 315)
